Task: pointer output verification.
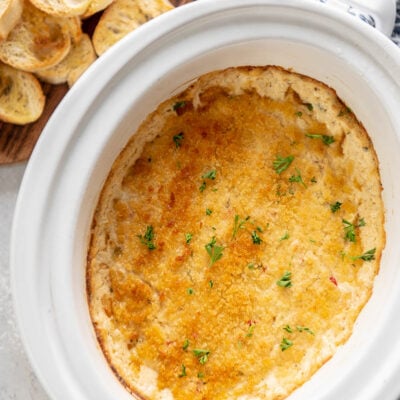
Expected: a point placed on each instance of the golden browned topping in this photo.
(233, 255)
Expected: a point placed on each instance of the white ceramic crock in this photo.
(98, 115)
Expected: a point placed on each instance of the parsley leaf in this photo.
(309, 106)
(285, 344)
(256, 239)
(326, 139)
(210, 174)
(367, 256)
(214, 251)
(208, 211)
(250, 331)
(288, 329)
(305, 329)
(183, 371)
(297, 178)
(148, 238)
(178, 105)
(335, 206)
(188, 237)
(281, 164)
(185, 344)
(285, 281)
(178, 139)
(350, 229)
(202, 355)
(284, 237)
(238, 224)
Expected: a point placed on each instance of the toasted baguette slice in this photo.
(62, 8)
(10, 14)
(122, 17)
(71, 67)
(38, 41)
(96, 6)
(21, 96)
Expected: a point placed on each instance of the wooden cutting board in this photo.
(17, 142)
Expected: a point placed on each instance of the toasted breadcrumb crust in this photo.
(219, 266)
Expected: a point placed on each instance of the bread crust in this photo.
(239, 178)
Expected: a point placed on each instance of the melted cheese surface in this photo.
(254, 280)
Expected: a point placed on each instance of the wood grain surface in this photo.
(18, 141)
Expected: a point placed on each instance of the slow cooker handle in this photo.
(380, 14)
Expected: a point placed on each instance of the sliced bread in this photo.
(21, 96)
(96, 6)
(38, 41)
(62, 8)
(72, 66)
(122, 17)
(10, 14)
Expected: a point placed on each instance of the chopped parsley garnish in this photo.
(297, 178)
(200, 375)
(190, 291)
(326, 139)
(305, 329)
(178, 105)
(188, 237)
(252, 265)
(281, 164)
(210, 174)
(285, 281)
(367, 256)
(202, 355)
(347, 110)
(238, 224)
(299, 113)
(313, 179)
(211, 284)
(335, 206)
(208, 211)
(288, 329)
(148, 238)
(299, 328)
(284, 237)
(285, 344)
(178, 139)
(309, 106)
(250, 331)
(350, 229)
(256, 239)
(185, 344)
(183, 371)
(214, 251)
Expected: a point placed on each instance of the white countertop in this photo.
(17, 380)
